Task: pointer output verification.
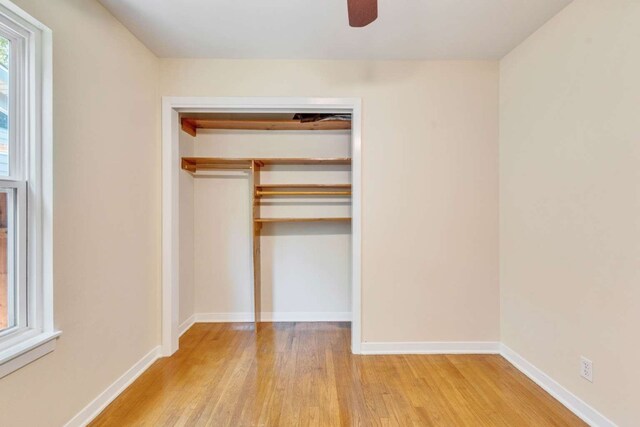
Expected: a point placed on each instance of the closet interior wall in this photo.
(305, 267)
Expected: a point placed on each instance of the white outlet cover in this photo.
(586, 369)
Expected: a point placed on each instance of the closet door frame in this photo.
(171, 109)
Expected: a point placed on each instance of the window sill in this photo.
(27, 351)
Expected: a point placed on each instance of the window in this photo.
(26, 320)
(5, 52)
(9, 277)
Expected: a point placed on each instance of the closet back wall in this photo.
(306, 267)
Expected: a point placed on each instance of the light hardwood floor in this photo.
(290, 374)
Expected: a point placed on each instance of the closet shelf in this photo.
(260, 193)
(304, 161)
(345, 186)
(265, 220)
(193, 164)
(191, 125)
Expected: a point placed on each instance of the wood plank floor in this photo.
(303, 374)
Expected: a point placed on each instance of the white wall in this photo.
(430, 181)
(106, 214)
(570, 201)
(187, 292)
(305, 267)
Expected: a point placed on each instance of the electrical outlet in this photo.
(586, 369)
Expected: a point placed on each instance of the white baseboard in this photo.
(93, 409)
(184, 326)
(305, 316)
(588, 414)
(431, 347)
(272, 317)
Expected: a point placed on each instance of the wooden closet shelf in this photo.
(192, 164)
(191, 125)
(304, 161)
(264, 220)
(260, 193)
(346, 186)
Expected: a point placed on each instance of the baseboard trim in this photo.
(431, 347)
(187, 324)
(272, 317)
(306, 316)
(572, 402)
(93, 409)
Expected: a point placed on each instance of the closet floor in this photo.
(290, 374)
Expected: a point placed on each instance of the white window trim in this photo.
(40, 337)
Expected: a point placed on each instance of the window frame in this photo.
(30, 177)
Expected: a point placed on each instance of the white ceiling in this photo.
(318, 29)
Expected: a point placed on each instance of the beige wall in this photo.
(107, 214)
(430, 247)
(430, 181)
(570, 201)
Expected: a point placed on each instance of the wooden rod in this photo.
(257, 226)
(260, 193)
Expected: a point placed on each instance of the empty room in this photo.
(319, 213)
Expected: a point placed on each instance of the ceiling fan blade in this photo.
(362, 12)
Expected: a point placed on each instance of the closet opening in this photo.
(264, 218)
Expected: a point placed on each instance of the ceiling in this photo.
(318, 29)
